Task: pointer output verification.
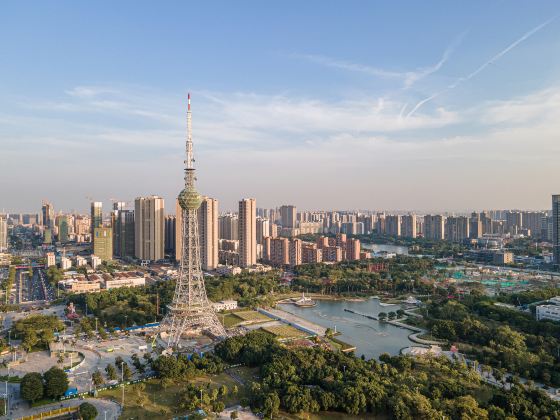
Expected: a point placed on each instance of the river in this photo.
(370, 337)
(394, 249)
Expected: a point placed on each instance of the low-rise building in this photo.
(550, 312)
(124, 279)
(225, 305)
(228, 270)
(65, 263)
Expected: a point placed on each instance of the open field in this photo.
(285, 331)
(150, 400)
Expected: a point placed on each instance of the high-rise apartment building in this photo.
(103, 243)
(295, 250)
(393, 225)
(228, 227)
(3, 233)
(311, 254)
(434, 227)
(408, 226)
(457, 228)
(556, 228)
(96, 215)
(123, 233)
(514, 221)
(263, 229)
(208, 233)
(247, 232)
(279, 252)
(149, 228)
(288, 216)
(475, 226)
(353, 249)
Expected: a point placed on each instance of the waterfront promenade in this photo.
(294, 321)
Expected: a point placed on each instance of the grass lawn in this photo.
(229, 320)
(285, 331)
(252, 316)
(149, 400)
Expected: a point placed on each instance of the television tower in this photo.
(190, 309)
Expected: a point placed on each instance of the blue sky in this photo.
(383, 105)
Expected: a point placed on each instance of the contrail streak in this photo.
(483, 66)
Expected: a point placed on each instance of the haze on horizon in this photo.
(383, 105)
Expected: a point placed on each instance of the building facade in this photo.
(247, 232)
(149, 227)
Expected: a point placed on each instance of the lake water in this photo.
(370, 337)
(394, 249)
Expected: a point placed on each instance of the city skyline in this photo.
(433, 111)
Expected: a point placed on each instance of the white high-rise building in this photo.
(556, 228)
(3, 233)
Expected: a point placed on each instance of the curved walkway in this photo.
(414, 337)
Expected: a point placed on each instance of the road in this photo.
(106, 409)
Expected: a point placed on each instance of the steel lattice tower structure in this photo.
(190, 310)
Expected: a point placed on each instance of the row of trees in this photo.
(52, 384)
(402, 276)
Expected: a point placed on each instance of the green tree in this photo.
(271, 404)
(382, 316)
(88, 411)
(56, 382)
(111, 372)
(97, 378)
(31, 387)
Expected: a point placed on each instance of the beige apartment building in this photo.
(247, 232)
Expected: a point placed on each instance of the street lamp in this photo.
(122, 384)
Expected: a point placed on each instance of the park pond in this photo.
(370, 337)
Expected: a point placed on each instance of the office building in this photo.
(247, 232)
(288, 216)
(123, 233)
(96, 215)
(170, 235)
(409, 226)
(62, 225)
(208, 233)
(556, 229)
(103, 243)
(149, 228)
(47, 213)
